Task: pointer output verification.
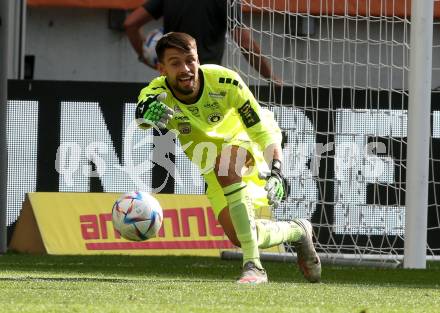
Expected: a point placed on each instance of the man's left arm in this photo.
(259, 123)
(262, 129)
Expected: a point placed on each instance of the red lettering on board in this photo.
(215, 229)
(89, 226)
(201, 224)
(95, 227)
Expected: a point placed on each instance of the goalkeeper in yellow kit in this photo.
(235, 143)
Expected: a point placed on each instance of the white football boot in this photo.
(308, 259)
(252, 274)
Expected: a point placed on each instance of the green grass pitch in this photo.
(196, 284)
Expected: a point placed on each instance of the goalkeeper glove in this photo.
(276, 186)
(152, 111)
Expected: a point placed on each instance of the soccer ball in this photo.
(149, 46)
(137, 216)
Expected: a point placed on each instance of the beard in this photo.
(185, 90)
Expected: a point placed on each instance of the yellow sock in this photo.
(271, 233)
(241, 211)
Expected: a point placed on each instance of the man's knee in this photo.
(230, 165)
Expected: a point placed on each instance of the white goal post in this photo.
(361, 150)
(418, 133)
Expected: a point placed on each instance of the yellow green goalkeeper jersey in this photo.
(225, 112)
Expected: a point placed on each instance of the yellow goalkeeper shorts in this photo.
(255, 185)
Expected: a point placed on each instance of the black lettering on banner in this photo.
(248, 115)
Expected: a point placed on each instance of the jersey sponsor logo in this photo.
(182, 118)
(220, 94)
(212, 106)
(224, 80)
(194, 111)
(177, 109)
(184, 128)
(215, 117)
(248, 115)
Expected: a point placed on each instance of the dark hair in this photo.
(177, 40)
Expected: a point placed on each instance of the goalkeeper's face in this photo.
(182, 71)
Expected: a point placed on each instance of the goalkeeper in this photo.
(210, 106)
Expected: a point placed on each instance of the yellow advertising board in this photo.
(80, 223)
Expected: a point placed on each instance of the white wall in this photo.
(76, 44)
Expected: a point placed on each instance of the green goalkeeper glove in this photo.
(152, 111)
(276, 186)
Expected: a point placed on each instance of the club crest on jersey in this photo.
(220, 94)
(184, 128)
(212, 106)
(215, 117)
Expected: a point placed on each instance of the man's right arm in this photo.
(152, 111)
(133, 26)
(150, 108)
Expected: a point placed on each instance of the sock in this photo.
(241, 211)
(271, 233)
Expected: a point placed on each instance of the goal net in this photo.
(343, 105)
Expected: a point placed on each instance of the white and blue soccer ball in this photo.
(137, 216)
(149, 46)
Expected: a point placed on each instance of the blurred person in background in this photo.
(206, 21)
